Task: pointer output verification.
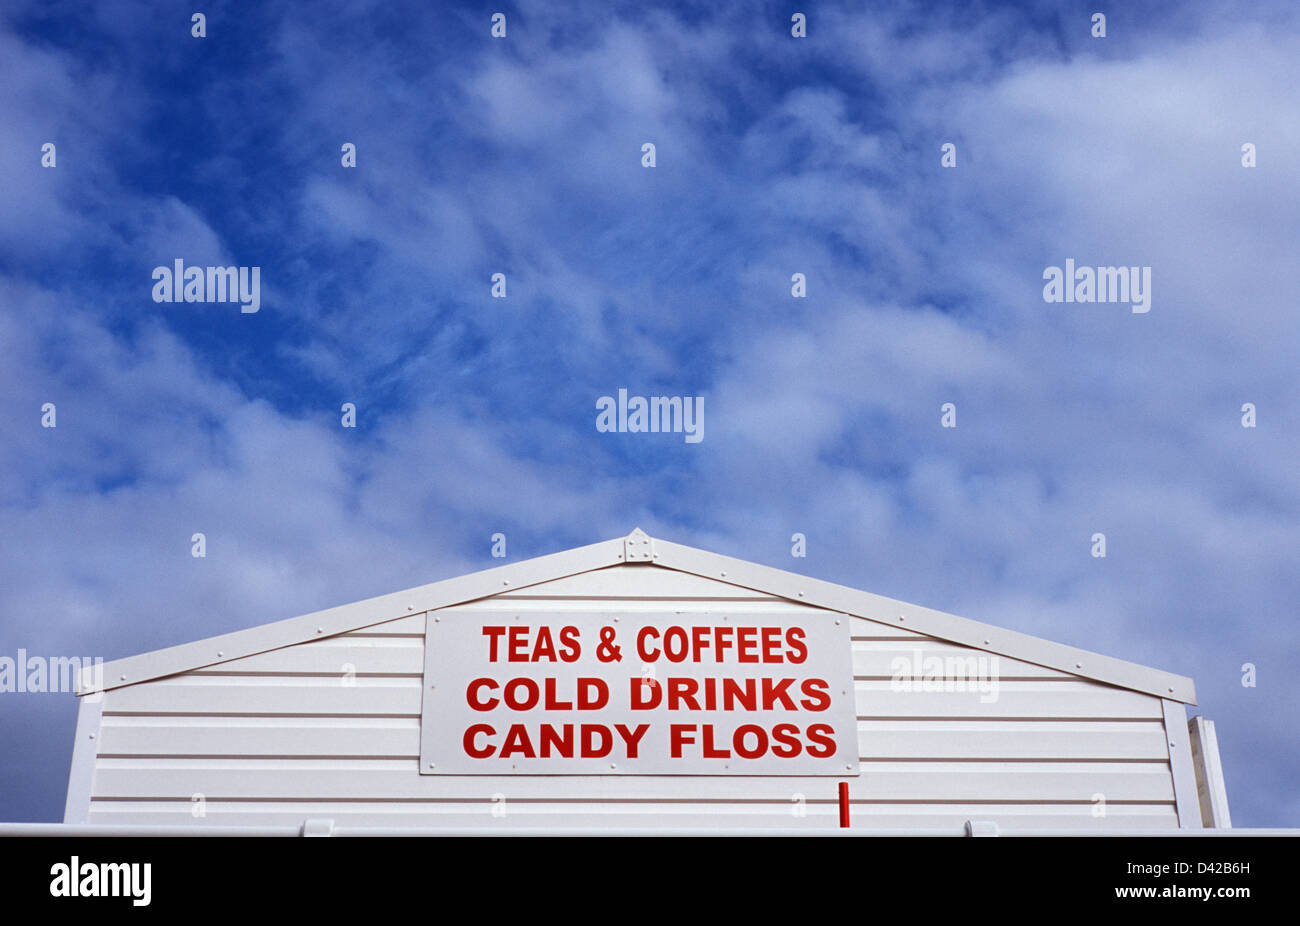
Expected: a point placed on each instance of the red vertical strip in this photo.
(844, 805)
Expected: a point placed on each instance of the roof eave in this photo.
(638, 548)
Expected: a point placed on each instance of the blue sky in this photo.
(477, 415)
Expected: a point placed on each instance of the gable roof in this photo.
(637, 547)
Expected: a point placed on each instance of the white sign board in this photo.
(588, 693)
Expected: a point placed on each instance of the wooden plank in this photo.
(488, 813)
(1180, 761)
(200, 694)
(372, 651)
(348, 617)
(336, 657)
(262, 736)
(894, 739)
(927, 620)
(1050, 699)
(412, 626)
(1210, 789)
(194, 693)
(400, 738)
(637, 581)
(400, 779)
(636, 605)
(931, 658)
(861, 629)
(85, 745)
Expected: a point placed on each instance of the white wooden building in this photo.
(330, 722)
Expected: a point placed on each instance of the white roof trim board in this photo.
(637, 547)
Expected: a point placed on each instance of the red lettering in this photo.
(787, 734)
(794, 639)
(517, 741)
(646, 694)
(472, 750)
(518, 644)
(589, 748)
(474, 686)
(682, 690)
(733, 694)
(631, 737)
(747, 642)
(738, 741)
(563, 746)
(774, 691)
(645, 654)
(493, 634)
(569, 638)
(545, 648)
(823, 735)
(593, 694)
(683, 644)
(553, 702)
(677, 737)
(722, 638)
(818, 694)
(512, 694)
(771, 644)
(709, 751)
(700, 641)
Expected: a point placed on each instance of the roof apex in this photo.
(638, 547)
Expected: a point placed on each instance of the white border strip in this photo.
(61, 829)
(1180, 762)
(975, 634)
(85, 749)
(1210, 787)
(772, 581)
(344, 618)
